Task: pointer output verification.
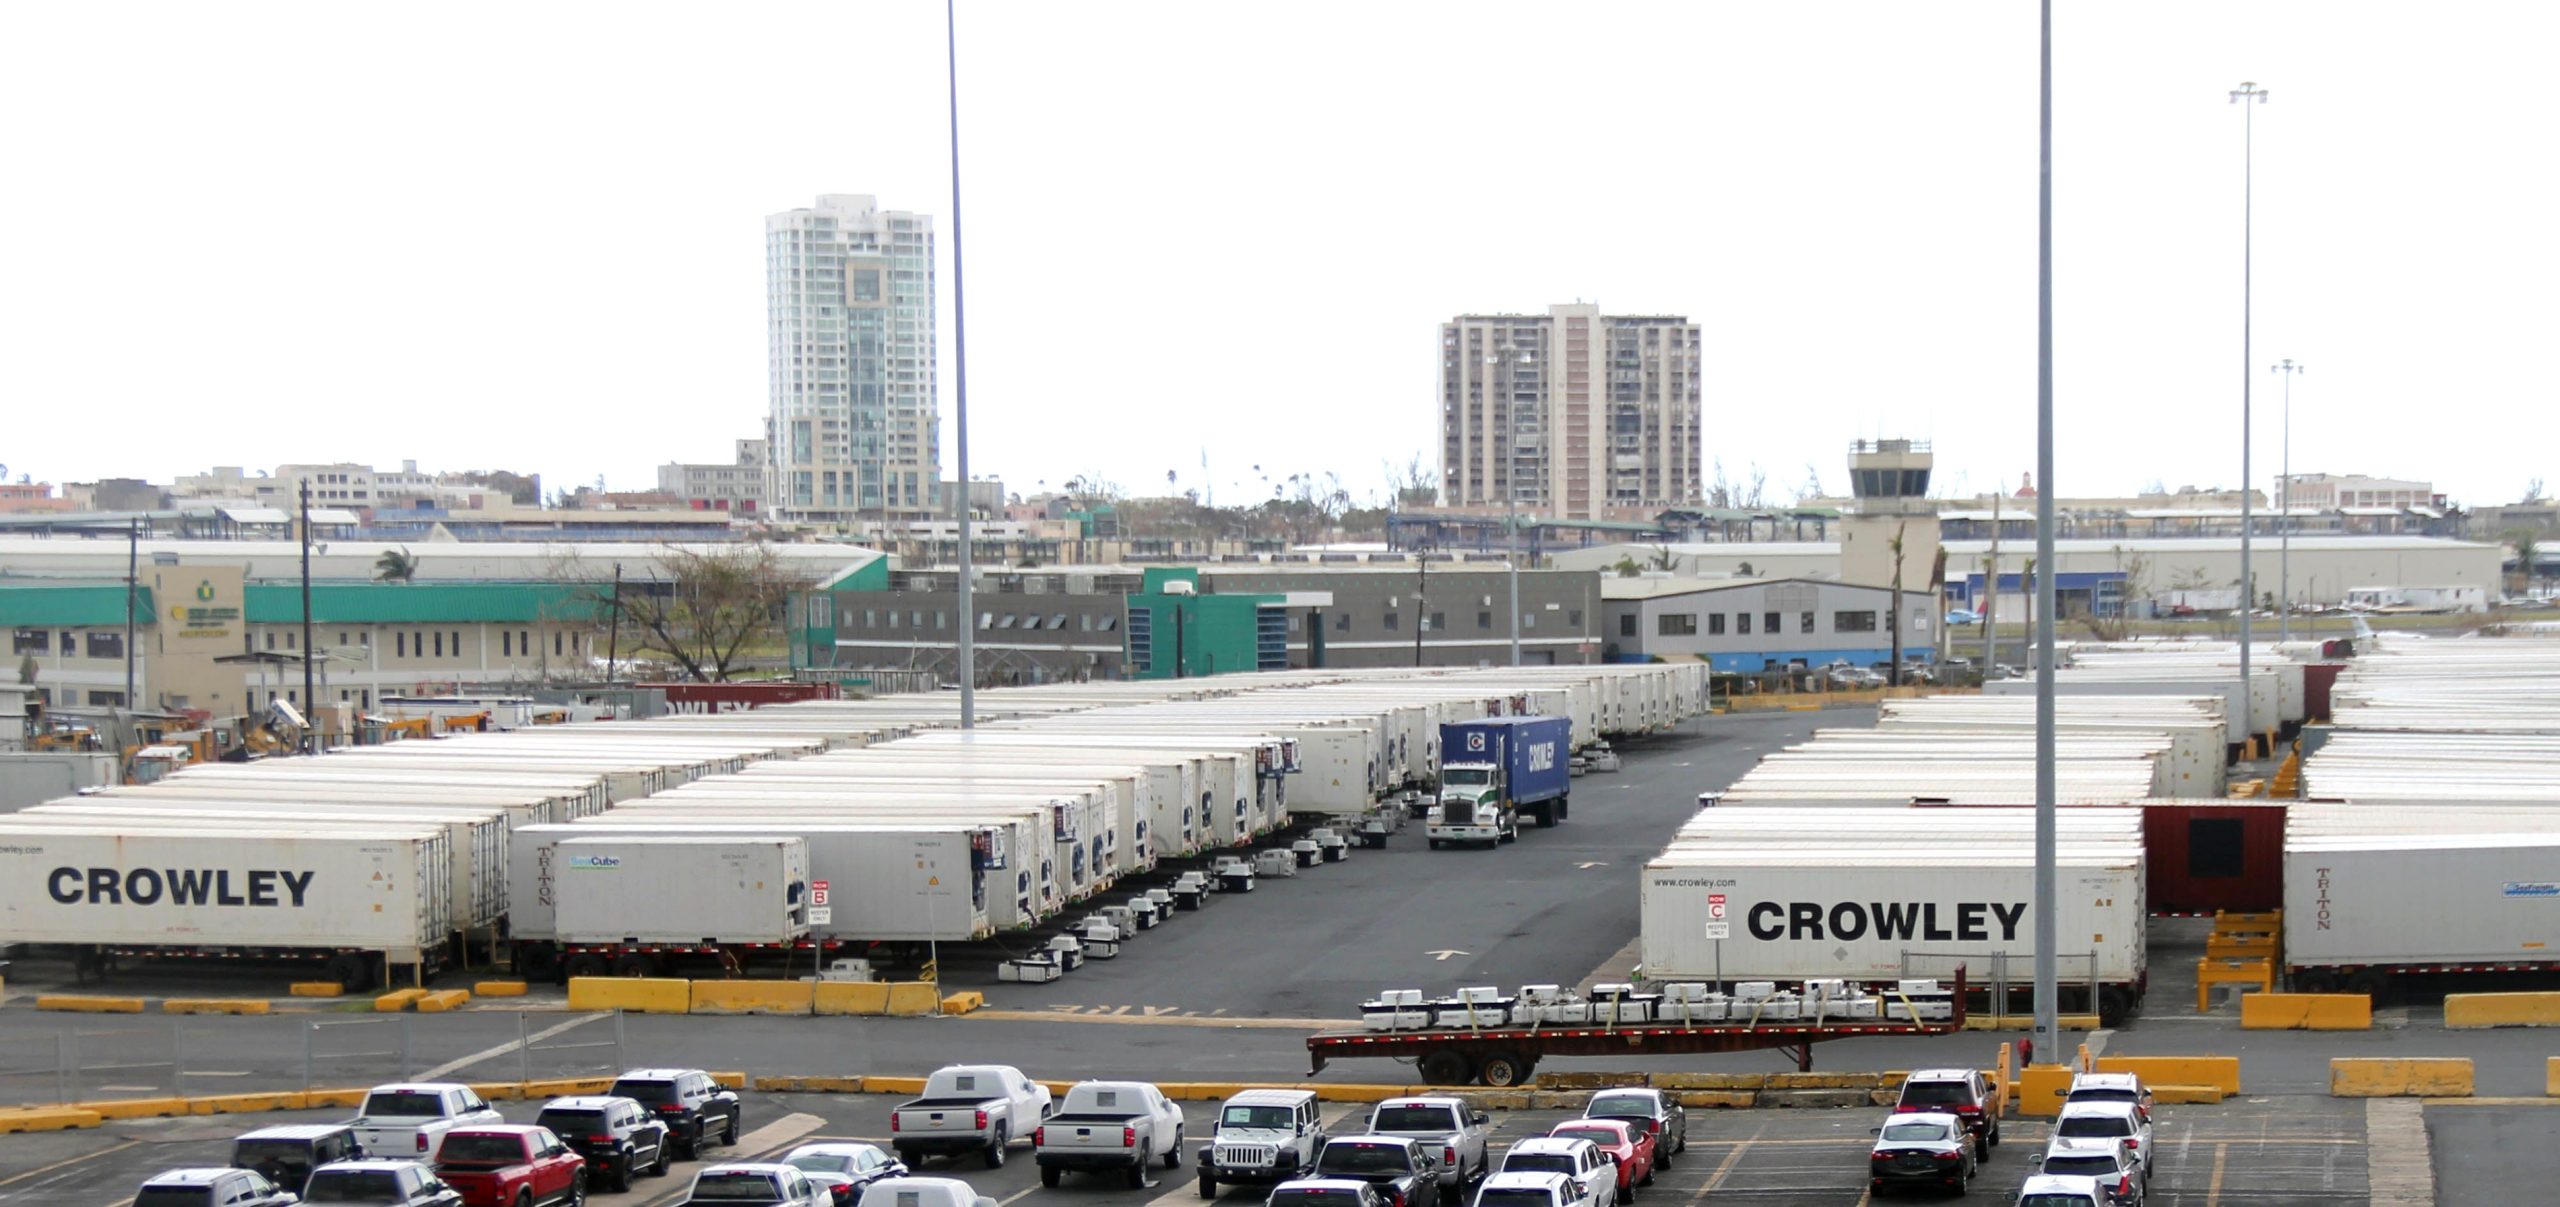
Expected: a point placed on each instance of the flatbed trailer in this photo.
(1508, 1056)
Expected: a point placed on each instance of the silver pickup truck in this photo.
(968, 1109)
(1450, 1128)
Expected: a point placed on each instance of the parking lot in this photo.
(2292, 1150)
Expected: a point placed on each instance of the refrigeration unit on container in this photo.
(714, 891)
(347, 901)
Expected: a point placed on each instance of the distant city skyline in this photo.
(560, 268)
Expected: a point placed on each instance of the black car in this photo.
(287, 1155)
(1921, 1149)
(620, 1138)
(1401, 1169)
(693, 1106)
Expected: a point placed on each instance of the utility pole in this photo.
(1991, 590)
(2284, 509)
(2047, 1036)
(613, 633)
(968, 650)
(2248, 96)
(132, 592)
(310, 692)
(1421, 602)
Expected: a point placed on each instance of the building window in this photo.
(942, 620)
(1627, 625)
(271, 639)
(1804, 622)
(105, 699)
(1573, 619)
(1769, 623)
(1853, 622)
(400, 644)
(1742, 623)
(70, 643)
(1484, 620)
(1439, 622)
(439, 645)
(556, 648)
(506, 644)
(1715, 624)
(1675, 624)
(106, 645)
(30, 641)
(1390, 622)
(1342, 622)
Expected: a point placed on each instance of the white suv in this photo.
(2110, 1087)
(2108, 1121)
(1594, 1173)
(2116, 1170)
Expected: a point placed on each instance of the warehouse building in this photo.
(1749, 625)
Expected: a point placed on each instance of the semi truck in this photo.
(1494, 770)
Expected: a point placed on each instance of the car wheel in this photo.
(1630, 1195)
(1647, 1179)
(1964, 1184)
(578, 1189)
(995, 1148)
(1208, 1185)
(524, 1198)
(1173, 1155)
(1982, 1147)
(1662, 1159)
(1995, 1133)
(622, 1173)
(1138, 1172)
(1050, 1176)
(729, 1135)
(911, 1158)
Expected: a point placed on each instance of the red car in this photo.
(1630, 1147)
(512, 1165)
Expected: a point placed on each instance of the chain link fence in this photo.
(154, 1059)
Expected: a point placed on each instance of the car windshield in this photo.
(1537, 1163)
(1914, 1133)
(260, 1152)
(651, 1092)
(821, 1163)
(353, 1186)
(1935, 1093)
(1633, 1105)
(2102, 1094)
(480, 1148)
(174, 1196)
(2078, 1166)
(404, 1104)
(1275, 1118)
(1413, 1119)
(2105, 1127)
(2054, 1200)
(1601, 1136)
(1499, 1197)
(1315, 1198)
(572, 1123)
(735, 1187)
(1362, 1158)
(1465, 777)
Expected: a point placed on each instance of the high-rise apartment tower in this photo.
(1572, 414)
(855, 423)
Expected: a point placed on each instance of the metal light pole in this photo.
(310, 691)
(2046, 1036)
(968, 652)
(2284, 509)
(1511, 503)
(2248, 95)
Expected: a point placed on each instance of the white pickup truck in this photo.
(1452, 1130)
(922, 1192)
(968, 1109)
(409, 1121)
(1109, 1125)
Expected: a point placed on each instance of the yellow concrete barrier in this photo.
(963, 1002)
(1731, 1099)
(85, 1004)
(818, 1085)
(564, 1087)
(498, 1091)
(732, 1080)
(1709, 1081)
(2187, 1095)
(320, 1098)
(908, 999)
(443, 1000)
(1588, 1081)
(851, 997)
(2306, 1012)
(1823, 1081)
(639, 995)
(2222, 1071)
(500, 988)
(2041, 1089)
(248, 1104)
(893, 1085)
(2469, 1010)
(1202, 1091)
(2027, 1022)
(398, 1000)
(46, 1119)
(317, 989)
(213, 1005)
(2551, 1076)
(2400, 1077)
(751, 997)
(135, 1108)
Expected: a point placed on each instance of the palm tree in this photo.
(395, 566)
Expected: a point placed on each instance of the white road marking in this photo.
(217, 1072)
(2399, 1165)
(1444, 955)
(2097, 1042)
(450, 1066)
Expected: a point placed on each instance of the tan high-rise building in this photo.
(1572, 414)
(855, 425)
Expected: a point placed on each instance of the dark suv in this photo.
(620, 1138)
(1963, 1093)
(288, 1154)
(694, 1107)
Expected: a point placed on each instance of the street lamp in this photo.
(1504, 358)
(2248, 96)
(2284, 509)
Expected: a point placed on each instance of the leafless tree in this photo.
(715, 607)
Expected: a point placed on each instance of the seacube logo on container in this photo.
(594, 863)
(2530, 888)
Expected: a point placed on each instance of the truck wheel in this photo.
(2114, 1006)
(1564, 808)
(1050, 1176)
(1502, 1070)
(1447, 1066)
(347, 969)
(1138, 1172)
(2317, 980)
(2371, 982)
(524, 1198)
(587, 964)
(912, 1158)
(1208, 1185)
(635, 964)
(577, 1189)
(1435, 844)
(995, 1147)
(538, 962)
(1173, 1155)
(1546, 815)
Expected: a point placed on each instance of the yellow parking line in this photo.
(14, 1179)
(2213, 1189)
(1725, 1170)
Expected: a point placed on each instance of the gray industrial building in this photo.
(1749, 625)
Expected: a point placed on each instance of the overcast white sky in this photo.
(529, 236)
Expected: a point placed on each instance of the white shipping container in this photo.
(2418, 899)
(1879, 915)
(682, 888)
(378, 890)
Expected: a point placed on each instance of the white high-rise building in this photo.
(1571, 414)
(855, 420)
